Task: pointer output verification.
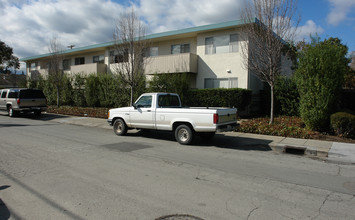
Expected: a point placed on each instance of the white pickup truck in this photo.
(163, 111)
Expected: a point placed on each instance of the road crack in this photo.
(253, 210)
(339, 170)
(320, 208)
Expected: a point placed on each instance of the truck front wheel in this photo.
(184, 134)
(119, 127)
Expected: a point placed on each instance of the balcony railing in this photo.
(174, 63)
(88, 68)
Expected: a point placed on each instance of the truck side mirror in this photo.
(134, 106)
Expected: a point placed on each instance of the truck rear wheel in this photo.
(184, 134)
(119, 127)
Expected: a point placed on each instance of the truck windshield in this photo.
(168, 101)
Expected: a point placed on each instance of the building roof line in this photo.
(152, 36)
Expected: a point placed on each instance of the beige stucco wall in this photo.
(88, 57)
(216, 65)
(173, 63)
(87, 69)
(222, 65)
(165, 46)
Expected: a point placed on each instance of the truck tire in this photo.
(184, 134)
(11, 111)
(120, 127)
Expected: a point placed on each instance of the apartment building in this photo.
(210, 53)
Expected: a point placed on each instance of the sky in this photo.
(28, 25)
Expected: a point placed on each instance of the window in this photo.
(180, 48)
(31, 93)
(221, 44)
(119, 57)
(4, 92)
(221, 83)
(98, 59)
(144, 102)
(168, 100)
(79, 60)
(13, 94)
(66, 64)
(151, 52)
(34, 66)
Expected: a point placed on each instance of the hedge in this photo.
(238, 98)
(343, 124)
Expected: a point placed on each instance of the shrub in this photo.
(239, 98)
(343, 124)
(286, 97)
(66, 93)
(79, 90)
(168, 82)
(320, 74)
(91, 91)
(285, 126)
(345, 96)
(106, 90)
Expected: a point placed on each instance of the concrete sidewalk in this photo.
(331, 151)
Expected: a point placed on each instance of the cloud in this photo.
(27, 26)
(339, 11)
(309, 28)
(165, 15)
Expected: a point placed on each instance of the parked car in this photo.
(22, 100)
(163, 111)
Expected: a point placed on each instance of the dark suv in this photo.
(22, 100)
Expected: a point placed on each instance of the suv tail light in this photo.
(215, 118)
(18, 101)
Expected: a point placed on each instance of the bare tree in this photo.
(129, 50)
(274, 25)
(55, 70)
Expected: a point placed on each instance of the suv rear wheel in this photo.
(10, 111)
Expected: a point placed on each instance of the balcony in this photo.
(88, 68)
(174, 63)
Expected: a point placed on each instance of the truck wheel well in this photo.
(114, 119)
(176, 124)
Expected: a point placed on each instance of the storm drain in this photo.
(179, 217)
(295, 150)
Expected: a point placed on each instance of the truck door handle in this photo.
(149, 110)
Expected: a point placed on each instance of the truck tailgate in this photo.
(226, 115)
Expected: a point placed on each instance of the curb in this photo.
(298, 149)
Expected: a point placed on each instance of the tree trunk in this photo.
(57, 97)
(131, 96)
(272, 105)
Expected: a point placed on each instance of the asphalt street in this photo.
(51, 170)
